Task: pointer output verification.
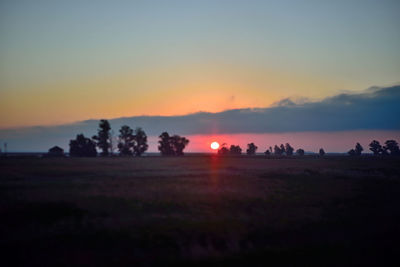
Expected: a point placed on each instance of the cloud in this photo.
(373, 109)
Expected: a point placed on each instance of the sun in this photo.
(214, 145)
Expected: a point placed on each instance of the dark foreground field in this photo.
(200, 210)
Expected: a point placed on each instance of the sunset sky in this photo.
(66, 61)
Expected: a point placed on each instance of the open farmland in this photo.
(200, 210)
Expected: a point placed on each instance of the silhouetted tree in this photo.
(165, 146)
(352, 152)
(172, 145)
(140, 145)
(277, 150)
(82, 147)
(289, 149)
(235, 150)
(321, 152)
(393, 147)
(179, 144)
(103, 137)
(268, 151)
(223, 150)
(358, 149)
(375, 147)
(300, 152)
(251, 149)
(126, 141)
(282, 147)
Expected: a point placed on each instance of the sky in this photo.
(68, 61)
(334, 123)
(232, 70)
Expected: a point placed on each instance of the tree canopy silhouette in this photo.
(235, 150)
(223, 150)
(321, 152)
(356, 151)
(289, 149)
(251, 149)
(140, 146)
(172, 145)
(103, 137)
(278, 150)
(393, 147)
(126, 141)
(82, 147)
(375, 147)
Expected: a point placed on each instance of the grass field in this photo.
(200, 210)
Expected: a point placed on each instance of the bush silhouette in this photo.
(300, 152)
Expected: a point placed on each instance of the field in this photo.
(200, 210)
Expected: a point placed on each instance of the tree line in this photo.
(131, 142)
(390, 147)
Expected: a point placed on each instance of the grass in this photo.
(200, 210)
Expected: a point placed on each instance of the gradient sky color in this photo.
(65, 61)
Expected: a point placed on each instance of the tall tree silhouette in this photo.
(251, 149)
(82, 147)
(321, 152)
(165, 146)
(103, 137)
(277, 150)
(283, 150)
(126, 141)
(375, 147)
(289, 149)
(358, 149)
(140, 146)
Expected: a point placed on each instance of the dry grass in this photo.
(200, 210)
